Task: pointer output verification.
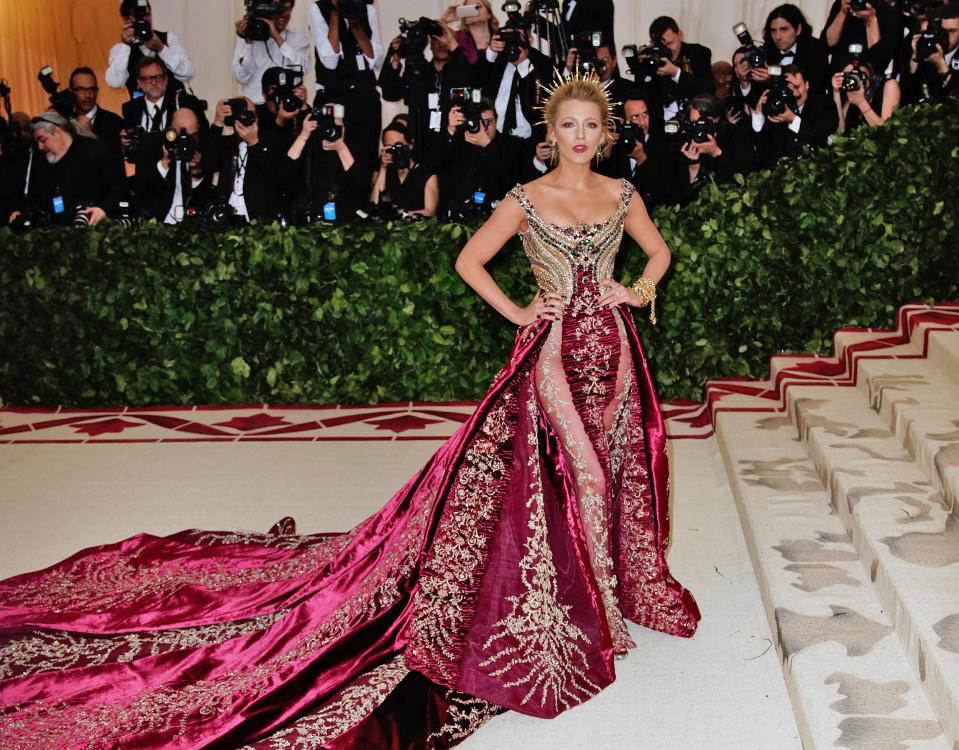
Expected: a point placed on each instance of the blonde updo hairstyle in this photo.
(582, 89)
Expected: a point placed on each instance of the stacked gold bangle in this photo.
(645, 287)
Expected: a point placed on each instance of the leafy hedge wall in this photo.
(376, 312)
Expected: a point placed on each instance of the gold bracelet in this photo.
(645, 287)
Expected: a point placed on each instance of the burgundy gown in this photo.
(497, 578)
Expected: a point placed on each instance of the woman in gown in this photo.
(497, 578)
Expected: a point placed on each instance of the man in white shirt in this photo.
(125, 55)
(286, 48)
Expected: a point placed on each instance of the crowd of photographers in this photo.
(470, 83)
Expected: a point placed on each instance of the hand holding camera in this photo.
(455, 120)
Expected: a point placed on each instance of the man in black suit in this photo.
(513, 87)
(154, 110)
(164, 186)
(937, 76)
(789, 41)
(102, 123)
(589, 15)
(77, 176)
(686, 72)
(727, 153)
(651, 164)
(813, 121)
(744, 91)
(248, 165)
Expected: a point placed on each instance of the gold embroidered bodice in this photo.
(557, 253)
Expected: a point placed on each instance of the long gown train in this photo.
(497, 578)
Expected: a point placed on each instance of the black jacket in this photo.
(107, 126)
(489, 75)
(818, 120)
(591, 15)
(134, 109)
(696, 77)
(318, 176)
(89, 174)
(468, 168)
(261, 179)
(154, 192)
(812, 57)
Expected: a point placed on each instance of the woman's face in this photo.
(483, 16)
(578, 130)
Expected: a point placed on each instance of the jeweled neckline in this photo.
(566, 227)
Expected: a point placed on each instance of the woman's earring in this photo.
(553, 151)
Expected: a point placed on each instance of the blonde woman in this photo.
(501, 576)
(474, 32)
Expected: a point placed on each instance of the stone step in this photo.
(906, 538)
(920, 405)
(944, 353)
(849, 680)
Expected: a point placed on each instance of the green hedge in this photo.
(156, 315)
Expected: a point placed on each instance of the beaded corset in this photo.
(559, 254)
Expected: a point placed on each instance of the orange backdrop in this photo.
(63, 33)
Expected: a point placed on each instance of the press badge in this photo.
(58, 204)
(436, 119)
(479, 197)
(433, 100)
(329, 211)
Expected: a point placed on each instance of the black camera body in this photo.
(218, 214)
(326, 115)
(284, 95)
(238, 113)
(645, 61)
(860, 5)
(586, 44)
(401, 155)
(917, 8)
(256, 10)
(698, 132)
(754, 52)
(415, 35)
(135, 135)
(629, 135)
(64, 102)
(855, 79)
(514, 40)
(352, 10)
(780, 96)
(933, 36)
(468, 100)
(31, 218)
(181, 146)
(142, 29)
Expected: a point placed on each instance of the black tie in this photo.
(154, 118)
(509, 121)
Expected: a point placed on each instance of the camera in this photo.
(284, 95)
(181, 146)
(64, 102)
(256, 10)
(352, 10)
(780, 96)
(327, 115)
(918, 8)
(238, 114)
(629, 135)
(645, 61)
(859, 5)
(855, 79)
(468, 100)
(586, 43)
(697, 132)
(514, 40)
(933, 35)
(135, 135)
(31, 218)
(217, 214)
(142, 29)
(415, 35)
(754, 52)
(401, 155)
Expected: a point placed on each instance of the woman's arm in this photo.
(482, 247)
(891, 94)
(431, 197)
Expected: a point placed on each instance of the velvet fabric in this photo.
(483, 585)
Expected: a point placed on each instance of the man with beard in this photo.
(80, 180)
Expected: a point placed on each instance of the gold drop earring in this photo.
(553, 151)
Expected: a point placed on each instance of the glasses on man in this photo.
(153, 79)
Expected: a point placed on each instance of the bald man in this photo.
(166, 187)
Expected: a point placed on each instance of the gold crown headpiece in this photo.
(564, 79)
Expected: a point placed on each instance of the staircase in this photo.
(845, 472)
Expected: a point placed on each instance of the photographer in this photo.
(862, 97)
(153, 112)
(101, 122)
(607, 68)
(510, 75)
(322, 173)
(874, 24)
(589, 15)
(425, 86)
(475, 32)
(348, 47)
(477, 162)
(253, 55)
(789, 41)
(247, 165)
(80, 180)
(788, 116)
(400, 182)
(170, 175)
(712, 146)
(139, 39)
(682, 73)
(15, 154)
(284, 101)
(744, 91)
(651, 164)
(933, 70)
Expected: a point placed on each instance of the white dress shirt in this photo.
(150, 110)
(239, 174)
(329, 58)
(252, 59)
(173, 55)
(786, 57)
(523, 129)
(759, 119)
(175, 214)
